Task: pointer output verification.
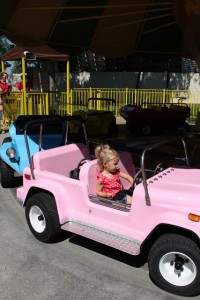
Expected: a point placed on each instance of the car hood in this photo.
(176, 187)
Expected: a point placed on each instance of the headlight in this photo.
(10, 152)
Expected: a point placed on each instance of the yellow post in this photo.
(126, 95)
(24, 85)
(90, 93)
(2, 66)
(47, 104)
(67, 78)
(164, 96)
(69, 107)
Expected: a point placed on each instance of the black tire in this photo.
(183, 128)
(7, 140)
(42, 217)
(113, 130)
(174, 265)
(145, 129)
(7, 173)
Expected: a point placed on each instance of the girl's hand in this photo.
(109, 196)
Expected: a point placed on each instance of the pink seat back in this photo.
(60, 160)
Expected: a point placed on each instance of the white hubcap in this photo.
(177, 268)
(37, 219)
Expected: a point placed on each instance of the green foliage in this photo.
(5, 46)
(17, 67)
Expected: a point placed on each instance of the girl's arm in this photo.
(99, 191)
(127, 177)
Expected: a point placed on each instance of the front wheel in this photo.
(42, 217)
(174, 265)
(7, 173)
(145, 129)
(183, 128)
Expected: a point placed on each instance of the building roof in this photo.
(43, 53)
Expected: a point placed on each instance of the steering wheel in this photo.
(159, 168)
(75, 173)
(137, 179)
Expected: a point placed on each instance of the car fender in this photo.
(177, 219)
(4, 147)
(64, 191)
(13, 164)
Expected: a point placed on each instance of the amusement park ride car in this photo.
(31, 134)
(156, 118)
(59, 194)
(100, 121)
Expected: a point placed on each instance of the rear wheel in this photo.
(42, 217)
(174, 265)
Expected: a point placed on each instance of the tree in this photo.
(17, 67)
(5, 46)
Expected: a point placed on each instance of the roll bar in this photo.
(49, 121)
(154, 146)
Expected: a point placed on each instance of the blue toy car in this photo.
(28, 135)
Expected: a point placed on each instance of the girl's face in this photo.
(112, 165)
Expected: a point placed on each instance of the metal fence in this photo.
(142, 97)
(62, 103)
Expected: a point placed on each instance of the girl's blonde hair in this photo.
(104, 153)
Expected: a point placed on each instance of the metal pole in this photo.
(69, 110)
(29, 155)
(2, 66)
(24, 84)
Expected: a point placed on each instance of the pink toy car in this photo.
(58, 193)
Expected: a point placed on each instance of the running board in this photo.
(119, 242)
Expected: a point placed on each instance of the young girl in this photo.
(108, 177)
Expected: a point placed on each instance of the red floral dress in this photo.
(110, 185)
